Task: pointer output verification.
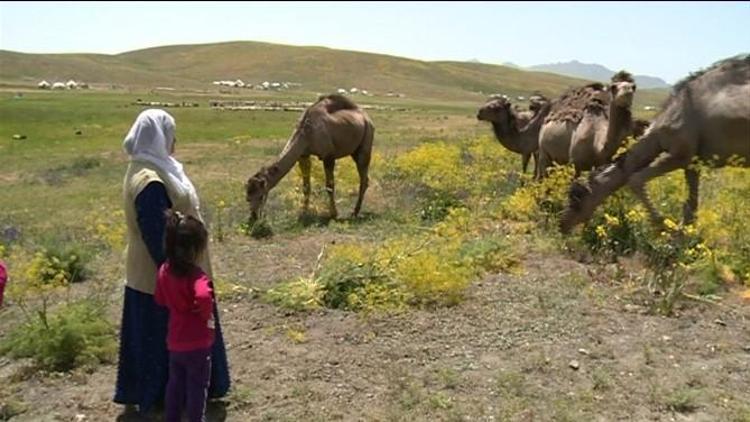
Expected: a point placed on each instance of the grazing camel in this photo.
(603, 128)
(332, 128)
(516, 130)
(707, 117)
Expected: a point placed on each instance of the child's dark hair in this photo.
(184, 240)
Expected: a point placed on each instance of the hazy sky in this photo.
(660, 39)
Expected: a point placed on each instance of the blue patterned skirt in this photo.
(143, 367)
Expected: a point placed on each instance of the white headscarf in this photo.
(151, 139)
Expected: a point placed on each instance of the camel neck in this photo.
(529, 134)
(520, 140)
(508, 137)
(287, 159)
(618, 128)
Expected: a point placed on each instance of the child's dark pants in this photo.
(189, 375)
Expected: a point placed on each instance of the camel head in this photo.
(622, 89)
(256, 190)
(498, 111)
(537, 102)
(585, 197)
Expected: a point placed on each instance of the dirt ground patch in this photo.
(546, 345)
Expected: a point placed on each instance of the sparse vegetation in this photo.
(454, 271)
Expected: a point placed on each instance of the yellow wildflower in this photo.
(671, 225)
(634, 216)
(611, 220)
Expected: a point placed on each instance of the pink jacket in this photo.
(190, 303)
(3, 280)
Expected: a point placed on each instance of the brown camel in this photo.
(332, 128)
(516, 130)
(707, 117)
(603, 128)
(565, 114)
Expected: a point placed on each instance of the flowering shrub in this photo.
(72, 334)
(433, 268)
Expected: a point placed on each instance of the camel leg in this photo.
(543, 164)
(329, 164)
(691, 205)
(638, 181)
(525, 161)
(304, 166)
(363, 166)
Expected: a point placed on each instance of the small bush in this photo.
(618, 230)
(258, 230)
(542, 201)
(672, 256)
(12, 407)
(66, 263)
(683, 400)
(75, 335)
(436, 205)
(303, 294)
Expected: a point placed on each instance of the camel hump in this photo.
(596, 106)
(570, 105)
(336, 102)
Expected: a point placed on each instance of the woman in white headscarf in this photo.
(154, 182)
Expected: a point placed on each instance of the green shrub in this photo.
(75, 335)
(435, 205)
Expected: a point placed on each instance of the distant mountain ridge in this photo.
(596, 72)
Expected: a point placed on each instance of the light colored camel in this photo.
(603, 128)
(332, 128)
(707, 117)
(565, 114)
(516, 130)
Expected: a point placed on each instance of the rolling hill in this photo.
(318, 69)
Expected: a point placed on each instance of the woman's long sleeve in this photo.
(150, 206)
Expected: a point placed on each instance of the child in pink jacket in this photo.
(3, 280)
(184, 289)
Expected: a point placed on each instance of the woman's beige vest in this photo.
(140, 270)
